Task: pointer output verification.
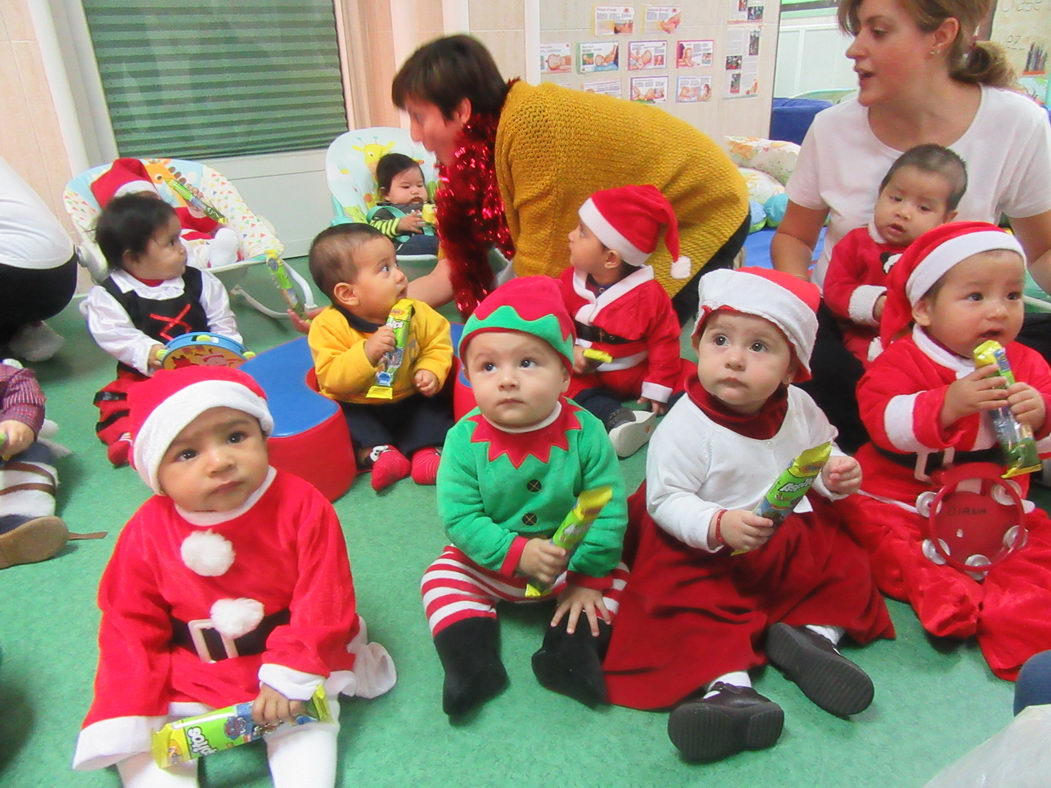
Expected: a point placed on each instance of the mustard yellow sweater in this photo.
(555, 147)
(345, 373)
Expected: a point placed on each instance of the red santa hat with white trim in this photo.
(125, 176)
(628, 220)
(927, 260)
(787, 301)
(166, 403)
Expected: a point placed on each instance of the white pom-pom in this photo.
(12, 362)
(680, 269)
(236, 617)
(207, 553)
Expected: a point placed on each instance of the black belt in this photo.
(212, 649)
(935, 460)
(596, 334)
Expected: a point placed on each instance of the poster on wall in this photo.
(556, 58)
(607, 87)
(742, 62)
(611, 20)
(746, 10)
(649, 90)
(690, 89)
(598, 56)
(689, 54)
(663, 18)
(647, 54)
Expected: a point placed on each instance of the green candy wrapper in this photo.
(574, 527)
(793, 483)
(399, 320)
(279, 273)
(195, 201)
(194, 737)
(1016, 439)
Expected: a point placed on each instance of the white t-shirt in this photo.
(1007, 149)
(30, 235)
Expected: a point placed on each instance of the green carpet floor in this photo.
(934, 701)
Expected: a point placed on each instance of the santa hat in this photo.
(927, 260)
(531, 305)
(166, 403)
(125, 176)
(628, 220)
(787, 301)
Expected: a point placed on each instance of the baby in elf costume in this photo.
(926, 407)
(511, 470)
(620, 309)
(715, 589)
(228, 550)
(209, 244)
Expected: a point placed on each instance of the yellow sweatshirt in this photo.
(344, 371)
(555, 147)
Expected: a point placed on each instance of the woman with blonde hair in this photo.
(923, 77)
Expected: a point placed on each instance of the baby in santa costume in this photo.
(926, 407)
(511, 470)
(230, 584)
(620, 309)
(209, 244)
(695, 617)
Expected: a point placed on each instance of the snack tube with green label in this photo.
(279, 273)
(203, 734)
(195, 201)
(399, 320)
(600, 356)
(574, 527)
(793, 483)
(1015, 438)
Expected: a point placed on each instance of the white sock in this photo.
(305, 755)
(223, 248)
(141, 771)
(829, 633)
(737, 678)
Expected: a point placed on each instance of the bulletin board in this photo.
(710, 63)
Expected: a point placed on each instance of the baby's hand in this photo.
(156, 356)
(1027, 405)
(381, 341)
(581, 364)
(877, 308)
(542, 561)
(575, 600)
(298, 323)
(411, 223)
(17, 438)
(842, 475)
(743, 530)
(426, 381)
(981, 390)
(271, 707)
(658, 408)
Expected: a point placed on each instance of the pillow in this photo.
(774, 157)
(761, 186)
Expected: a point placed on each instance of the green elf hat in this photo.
(531, 305)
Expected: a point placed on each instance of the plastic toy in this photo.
(279, 273)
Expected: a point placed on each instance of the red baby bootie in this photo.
(388, 465)
(425, 465)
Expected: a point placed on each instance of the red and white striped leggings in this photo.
(455, 588)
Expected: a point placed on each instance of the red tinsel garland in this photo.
(471, 213)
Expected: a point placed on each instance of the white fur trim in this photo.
(610, 235)
(208, 519)
(943, 257)
(680, 269)
(293, 684)
(655, 392)
(169, 418)
(863, 302)
(105, 742)
(207, 553)
(624, 362)
(875, 348)
(134, 187)
(236, 617)
(897, 423)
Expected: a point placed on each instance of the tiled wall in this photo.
(30, 139)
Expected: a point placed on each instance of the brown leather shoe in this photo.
(734, 719)
(34, 540)
(824, 675)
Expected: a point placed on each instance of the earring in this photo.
(934, 52)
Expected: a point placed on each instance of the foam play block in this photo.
(310, 437)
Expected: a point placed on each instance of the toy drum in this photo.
(204, 349)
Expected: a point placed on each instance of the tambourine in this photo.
(204, 349)
(975, 520)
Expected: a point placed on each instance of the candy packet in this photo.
(793, 483)
(1016, 439)
(574, 527)
(221, 729)
(399, 320)
(278, 269)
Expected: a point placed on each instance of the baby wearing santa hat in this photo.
(618, 308)
(231, 584)
(925, 406)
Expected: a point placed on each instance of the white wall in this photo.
(811, 56)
